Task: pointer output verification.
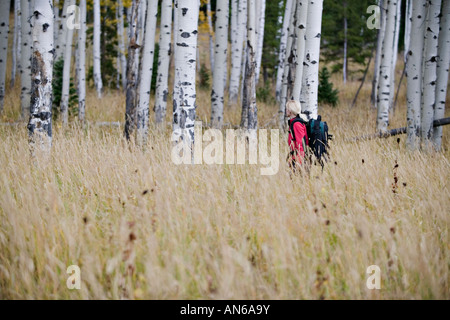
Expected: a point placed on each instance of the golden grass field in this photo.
(140, 227)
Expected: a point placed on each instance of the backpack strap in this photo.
(291, 125)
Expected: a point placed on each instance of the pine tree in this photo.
(326, 92)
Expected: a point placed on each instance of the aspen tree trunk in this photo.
(312, 53)
(119, 73)
(443, 64)
(16, 42)
(429, 71)
(175, 34)
(395, 53)
(140, 39)
(414, 73)
(162, 81)
(82, 64)
(236, 52)
(40, 121)
(66, 73)
(97, 53)
(380, 37)
(282, 52)
(220, 66)
(211, 42)
(291, 61)
(176, 89)
(128, 29)
(184, 99)
(261, 22)
(25, 77)
(408, 17)
(302, 14)
(132, 62)
(250, 69)
(243, 62)
(292, 58)
(56, 21)
(233, 20)
(4, 32)
(60, 44)
(384, 88)
(142, 11)
(284, 82)
(122, 57)
(143, 109)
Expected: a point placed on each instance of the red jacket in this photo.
(300, 133)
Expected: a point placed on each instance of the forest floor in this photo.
(139, 226)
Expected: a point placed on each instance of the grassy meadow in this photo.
(140, 227)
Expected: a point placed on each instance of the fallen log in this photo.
(394, 132)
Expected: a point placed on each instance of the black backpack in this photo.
(318, 137)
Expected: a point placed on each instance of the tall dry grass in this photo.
(140, 227)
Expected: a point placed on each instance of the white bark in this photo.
(260, 38)
(395, 52)
(220, 66)
(234, 20)
(414, 73)
(443, 64)
(380, 37)
(384, 88)
(81, 58)
(16, 41)
(302, 16)
(40, 121)
(408, 16)
(244, 61)
(211, 42)
(25, 78)
(140, 39)
(66, 72)
(56, 21)
(282, 52)
(162, 85)
(96, 46)
(312, 53)
(284, 82)
(60, 43)
(184, 99)
(122, 57)
(141, 24)
(236, 52)
(143, 109)
(4, 32)
(250, 70)
(429, 71)
(132, 68)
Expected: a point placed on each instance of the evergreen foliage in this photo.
(108, 46)
(271, 45)
(204, 78)
(326, 92)
(57, 85)
(264, 94)
(360, 39)
(155, 67)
